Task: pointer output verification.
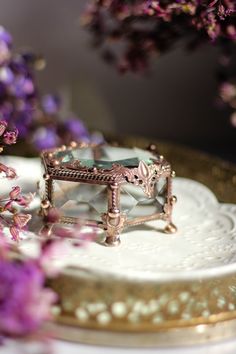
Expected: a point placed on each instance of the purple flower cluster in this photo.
(228, 97)
(149, 26)
(51, 129)
(7, 137)
(144, 28)
(24, 301)
(36, 119)
(17, 86)
(10, 216)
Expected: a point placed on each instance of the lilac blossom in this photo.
(10, 215)
(45, 138)
(9, 138)
(147, 28)
(76, 128)
(37, 119)
(24, 301)
(51, 104)
(18, 89)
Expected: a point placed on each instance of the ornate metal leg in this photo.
(112, 232)
(46, 230)
(170, 227)
(46, 203)
(114, 220)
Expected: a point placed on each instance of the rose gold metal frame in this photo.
(113, 221)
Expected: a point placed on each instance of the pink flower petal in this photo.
(21, 219)
(8, 205)
(25, 200)
(15, 192)
(10, 138)
(3, 126)
(9, 171)
(15, 233)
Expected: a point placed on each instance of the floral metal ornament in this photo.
(107, 187)
(145, 176)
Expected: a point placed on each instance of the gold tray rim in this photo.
(220, 177)
(175, 337)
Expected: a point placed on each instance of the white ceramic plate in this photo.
(204, 246)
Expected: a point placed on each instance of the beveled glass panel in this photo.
(90, 201)
(105, 156)
(73, 199)
(147, 206)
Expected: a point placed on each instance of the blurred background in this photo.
(176, 101)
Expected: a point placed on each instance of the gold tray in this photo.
(115, 310)
(154, 323)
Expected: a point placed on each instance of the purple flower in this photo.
(97, 138)
(4, 53)
(24, 118)
(22, 86)
(147, 28)
(10, 138)
(3, 126)
(45, 138)
(231, 31)
(24, 301)
(5, 36)
(37, 119)
(152, 26)
(76, 128)
(51, 104)
(6, 75)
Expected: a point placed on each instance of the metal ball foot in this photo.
(170, 228)
(112, 241)
(46, 230)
